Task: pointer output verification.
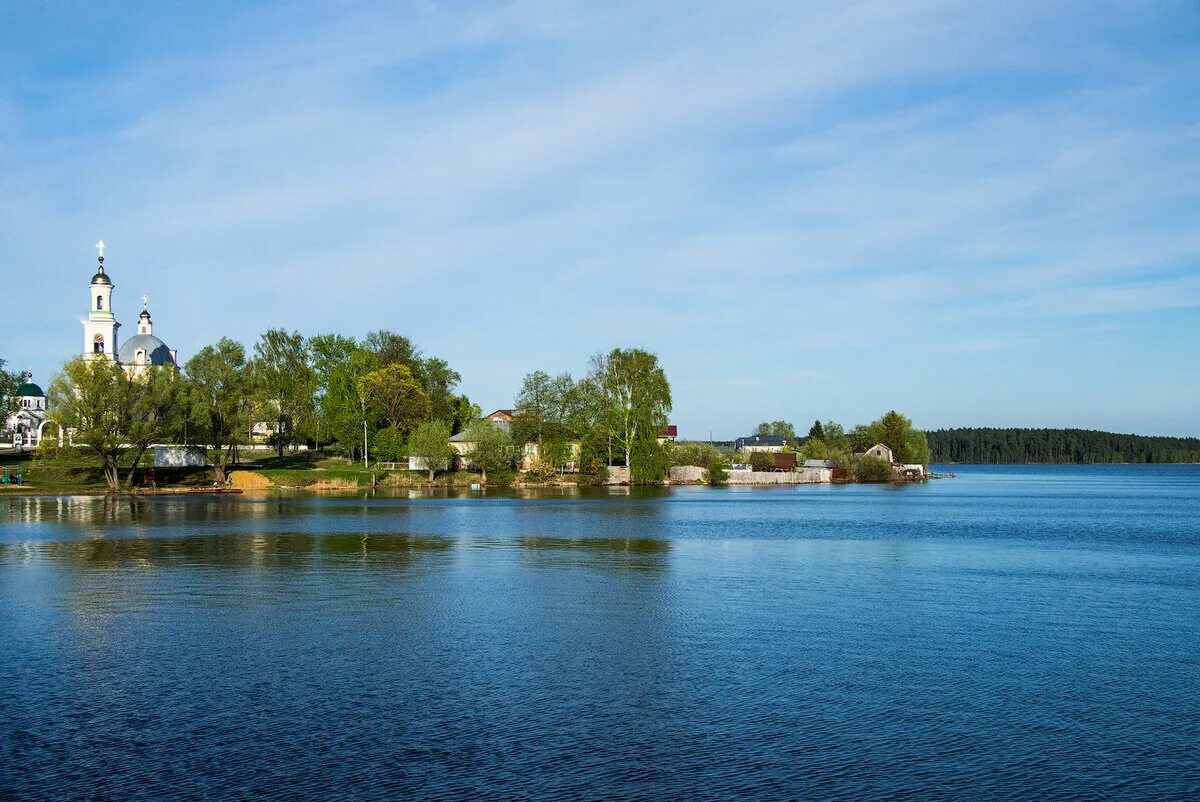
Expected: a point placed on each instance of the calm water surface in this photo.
(1014, 633)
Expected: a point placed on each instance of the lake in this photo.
(1016, 632)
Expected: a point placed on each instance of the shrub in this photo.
(541, 470)
(762, 461)
(697, 454)
(592, 473)
(871, 469)
(716, 471)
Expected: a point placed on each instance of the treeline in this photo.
(1077, 446)
(379, 397)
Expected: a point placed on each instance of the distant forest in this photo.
(1057, 445)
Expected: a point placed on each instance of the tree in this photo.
(345, 411)
(430, 443)
(398, 395)
(543, 408)
(388, 445)
(393, 349)
(779, 428)
(491, 447)
(639, 401)
(95, 401)
(439, 382)
(284, 383)
(113, 415)
(8, 388)
(217, 383)
(329, 355)
(817, 431)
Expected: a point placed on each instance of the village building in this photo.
(24, 424)
(100, 330)
(880, 451)
(769, 443)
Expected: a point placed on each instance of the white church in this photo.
(100, 339)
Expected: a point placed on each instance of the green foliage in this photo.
(1077, 446)
(491, 448)
(716, 470)
(779, 428)
(871, 469)
(388, 445)
(114, 416)
(897, 433)
(638, 402)
(431, 443)
(814, 448)
(285, 385)
(8, 387)
(217, 391)
(692, 453)
(761, 461)
(651, 462)
(398, 395)
(817, 431)
(593, 472)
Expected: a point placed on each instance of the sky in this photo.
(979, 214)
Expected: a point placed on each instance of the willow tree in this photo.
(115, 416)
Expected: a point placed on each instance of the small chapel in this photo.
(100, 340)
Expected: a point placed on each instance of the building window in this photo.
(100, 303)
(98, 345)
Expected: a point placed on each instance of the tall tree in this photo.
(285, 383)
(114, 416)
(439, 381)
(639, 399)
(398, 395)
(217, 384)
(393, 349)
(817, 431)
(94, 401)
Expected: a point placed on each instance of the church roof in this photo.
(30, 390)
(156, 350)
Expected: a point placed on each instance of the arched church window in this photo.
(100, 303)
(98, 345)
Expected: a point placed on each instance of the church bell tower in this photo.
(100, 328)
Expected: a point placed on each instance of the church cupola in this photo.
(100, 328)
(144, 324)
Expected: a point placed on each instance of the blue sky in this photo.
(976, 213)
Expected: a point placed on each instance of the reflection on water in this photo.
(1014, 633)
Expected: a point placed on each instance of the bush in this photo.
(716, 471)
(592, 473)
(871, 469)
(697, 454)
(541, 470)
(389, 445)
(762, 461)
